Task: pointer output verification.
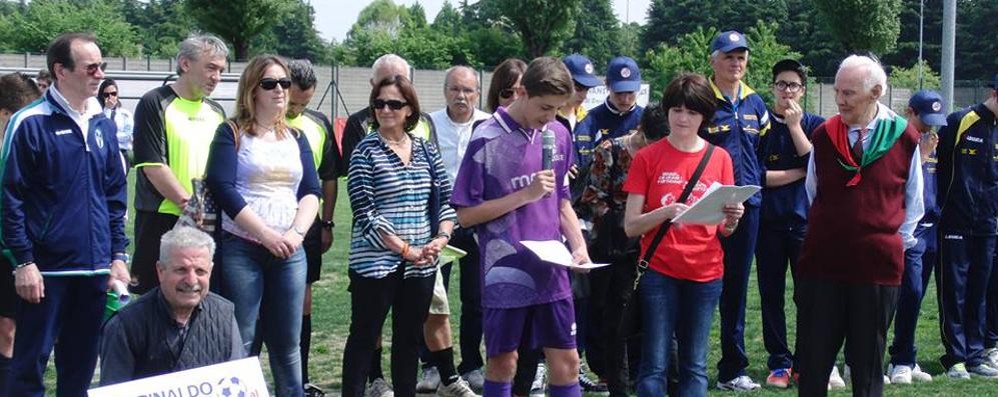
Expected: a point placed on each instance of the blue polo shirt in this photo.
(738, 123)
(602, 122)
(785, 206)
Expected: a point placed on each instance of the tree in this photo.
(238, 21)
(691, 53)
(542, 24)
(902, 77)
(40, 21)
(161, 24)
(597, 33)
(669, 19)
(448, 20)
(295, 36)
(977, 22)
(862, 25)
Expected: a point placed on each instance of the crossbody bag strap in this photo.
(642, 266)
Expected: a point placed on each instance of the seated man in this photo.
(176, 326)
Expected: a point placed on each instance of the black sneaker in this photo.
(591, 386)
(313, 391)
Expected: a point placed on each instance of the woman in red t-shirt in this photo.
(681, 290)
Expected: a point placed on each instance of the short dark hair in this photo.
(654, 122)
(692, 91)
(100, 91)
(548, 76)
(504, 76)
(790, 65)
(18, 91)
(61, 50)
(302, 74)
(408, 93)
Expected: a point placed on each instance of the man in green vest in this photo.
(326, 152)
(174, 126)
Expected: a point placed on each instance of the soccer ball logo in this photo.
(936, 106)
(232, 387)
(625, 73)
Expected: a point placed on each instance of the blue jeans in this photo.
(684, 308)
(253, 277)
(739, 249)
(919, 261)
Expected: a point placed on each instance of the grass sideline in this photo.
(331, 322)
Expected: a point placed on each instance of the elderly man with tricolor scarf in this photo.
(865, 186)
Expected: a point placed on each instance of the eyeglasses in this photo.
(392, 104)
(785, 86)
(506, 93)
(94, 67)
(271, 83)
(110, 94)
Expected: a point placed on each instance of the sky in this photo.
(333, 18)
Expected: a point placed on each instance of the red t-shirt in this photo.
(660, 172)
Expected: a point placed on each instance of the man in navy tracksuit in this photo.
(924, 112)
(968, 197)
(740, 119)
(785, 149)
(63, 203)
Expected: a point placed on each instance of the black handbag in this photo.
(433, 204)
(630, 317)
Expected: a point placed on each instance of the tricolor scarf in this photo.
(885, 134)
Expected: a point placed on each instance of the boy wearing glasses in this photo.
(784, 149)
(174, 126)
(502, 189)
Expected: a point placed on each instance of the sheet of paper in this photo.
(450, 254)
(709, 209)
(553, 251)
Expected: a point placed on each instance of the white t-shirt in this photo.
(453, 138)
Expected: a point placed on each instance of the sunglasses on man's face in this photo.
(392, 104)
(270, 83)
(94, 67)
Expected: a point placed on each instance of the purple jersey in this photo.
(502, 158)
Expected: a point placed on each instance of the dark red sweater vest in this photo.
(852, 232)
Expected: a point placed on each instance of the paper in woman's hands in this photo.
(709, 210)
(554, 251)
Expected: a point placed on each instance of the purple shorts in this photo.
(550, 325)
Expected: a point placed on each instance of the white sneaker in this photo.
(920, 376)
(835, 380)
(430, 381)
(900, 374)
(380, 388)
(538, 386)
(457, 389)
(992, 356)
(741, 383)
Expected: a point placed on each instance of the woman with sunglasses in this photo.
(107, 95)
(268, 205)
(505, 81)
(393, 253)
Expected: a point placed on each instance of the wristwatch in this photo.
(121, 257)
(327, 224)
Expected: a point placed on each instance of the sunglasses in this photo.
(94, 67)
(506, 93)
(269, 83)
(392, 104)
(110, 94)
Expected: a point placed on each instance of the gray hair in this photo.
(388, 60)
(197, 45)
(718, 53)
(875, 74)
(183, 237)
(457, 68)
(302, 73)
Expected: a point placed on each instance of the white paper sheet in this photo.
(553, 251)
(709, 209)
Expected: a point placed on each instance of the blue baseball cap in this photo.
(729, 41)
(582, 70)
(929, 106)
(623, 75)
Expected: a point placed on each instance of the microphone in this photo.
(547, 148)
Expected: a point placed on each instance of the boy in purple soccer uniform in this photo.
(504, 193)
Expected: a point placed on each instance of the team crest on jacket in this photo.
(100, 138)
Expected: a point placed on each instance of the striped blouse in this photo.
(387, 196)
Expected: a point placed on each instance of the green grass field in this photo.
(331, 321)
